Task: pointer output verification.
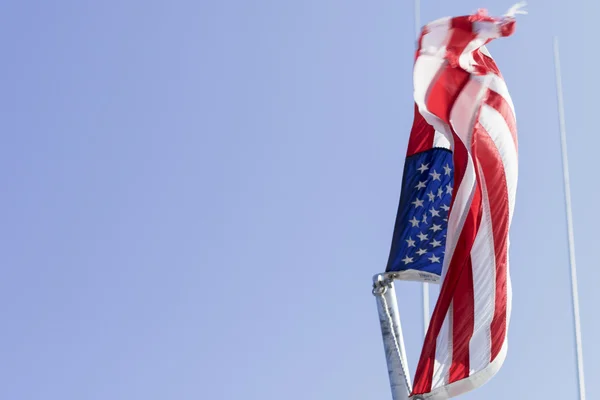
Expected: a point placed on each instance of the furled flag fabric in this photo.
(419, 238)
(457, 202)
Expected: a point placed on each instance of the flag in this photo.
(458, 195)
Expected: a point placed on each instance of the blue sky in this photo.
(196, 195)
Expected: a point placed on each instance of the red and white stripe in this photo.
(460, 92)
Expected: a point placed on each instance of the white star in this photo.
(414, 222)
(436, 228)
(446, 219)
(424, 218)
(447, 170)
(423, 167)
(434, 212)
(434, 259)
(445, 207)
(421, 252)
(421, 185)
(407, 260)
(411, 243)
(440, 193)
(431, 196)
(436, 176)
(418, 203)
(448, 189)
(436, 243)
(422, 236)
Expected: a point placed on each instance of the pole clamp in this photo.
(381, 283)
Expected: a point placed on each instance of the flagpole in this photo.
(571, 237)
(391, 332)
(425, 286)
(417, 18)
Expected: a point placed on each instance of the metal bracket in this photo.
(381, 282)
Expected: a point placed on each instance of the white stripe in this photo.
(498, 85)
(435, 40)
(441, 140)
(465, 108)
(428, 65)
(486, 29)
(443, 352)
(466, 60)
(484, 287)
(463, 196)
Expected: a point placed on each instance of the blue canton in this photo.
(419, 240)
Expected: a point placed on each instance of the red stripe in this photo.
(444, 91)
(493, 67)
(485, 64)
(421, 135)
(462, 34)
(495, 178)
(463, 324)
(463, 301)
(450, 80)
(508, 28)
(501, 105)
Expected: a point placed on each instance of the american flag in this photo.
(463, 112)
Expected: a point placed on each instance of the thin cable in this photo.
(425, 286)
(571, 236)
(417, 18)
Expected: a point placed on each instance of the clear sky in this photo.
(196, 194)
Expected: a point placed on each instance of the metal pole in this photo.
(425, 307)
(417, 18)
(425, 289)
(571, 237)
(393, 340)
